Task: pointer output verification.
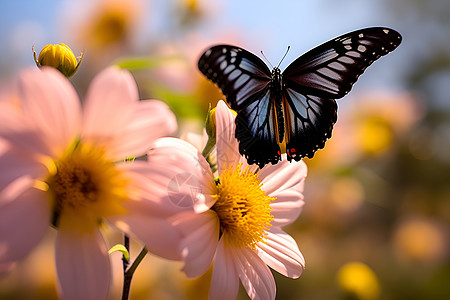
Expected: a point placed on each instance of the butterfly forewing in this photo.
(331, 69)
(238, 73)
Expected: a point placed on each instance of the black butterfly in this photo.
(295, 107)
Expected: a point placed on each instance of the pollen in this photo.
(85, 188)
(243, 208)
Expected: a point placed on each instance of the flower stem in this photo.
(128, 274)
(126, 243)
(208, 147)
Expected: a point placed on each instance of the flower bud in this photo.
(210, 123)
(60, 57)
(210, 127)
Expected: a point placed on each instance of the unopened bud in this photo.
(60, 57)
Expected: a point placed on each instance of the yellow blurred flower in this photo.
(370, 126)
(358, 280)
(106, 29)
(110, 22)
(419, 240)
(375, 135)
(59, 57)
(191, 12)
(382, 117)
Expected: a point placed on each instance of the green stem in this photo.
(126, 243)
(208, 147)
(128, 274)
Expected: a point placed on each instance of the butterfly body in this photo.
(295, 108)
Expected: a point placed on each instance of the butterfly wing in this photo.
(257, 129)
(309, 121)
(241, 75)
(327, 72)
(245, 80)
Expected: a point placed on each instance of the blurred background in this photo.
(376, 220)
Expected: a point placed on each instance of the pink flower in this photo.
(60, 168)
(236, 218)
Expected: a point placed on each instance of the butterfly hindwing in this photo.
(257, 130)
(309, 122)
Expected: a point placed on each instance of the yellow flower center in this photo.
(85, 188)
(243, 208)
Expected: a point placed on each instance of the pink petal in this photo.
(82, 265)
(285, 182)
(227, 145)
(24, 218)
(255, 276)
(146, 190)
(225, 280)
(184, 174)
(158, 234)
(4, 146)
(281, 253)
(16, 131)
(15, 164)
(157, 187)
(110, 102)
(201, 233)
(51, 105)
(150, 120)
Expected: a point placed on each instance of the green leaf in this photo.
(183, 105)
(120, 248)
(143, 62)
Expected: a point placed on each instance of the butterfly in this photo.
(295, 108)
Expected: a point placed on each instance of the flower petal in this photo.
(255, 276)
(82, 265)
(15, 164)
(281, 253)
(24, 218)
(110, 102)
(158, 234)
(51, 105)
(145, 192)
(227, 145)
(184, 174)
(199, 246)
(225, 279)
(285, 182)
(18, 134)
(150, 120)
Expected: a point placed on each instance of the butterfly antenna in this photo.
(266, 59)
(287, 50)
